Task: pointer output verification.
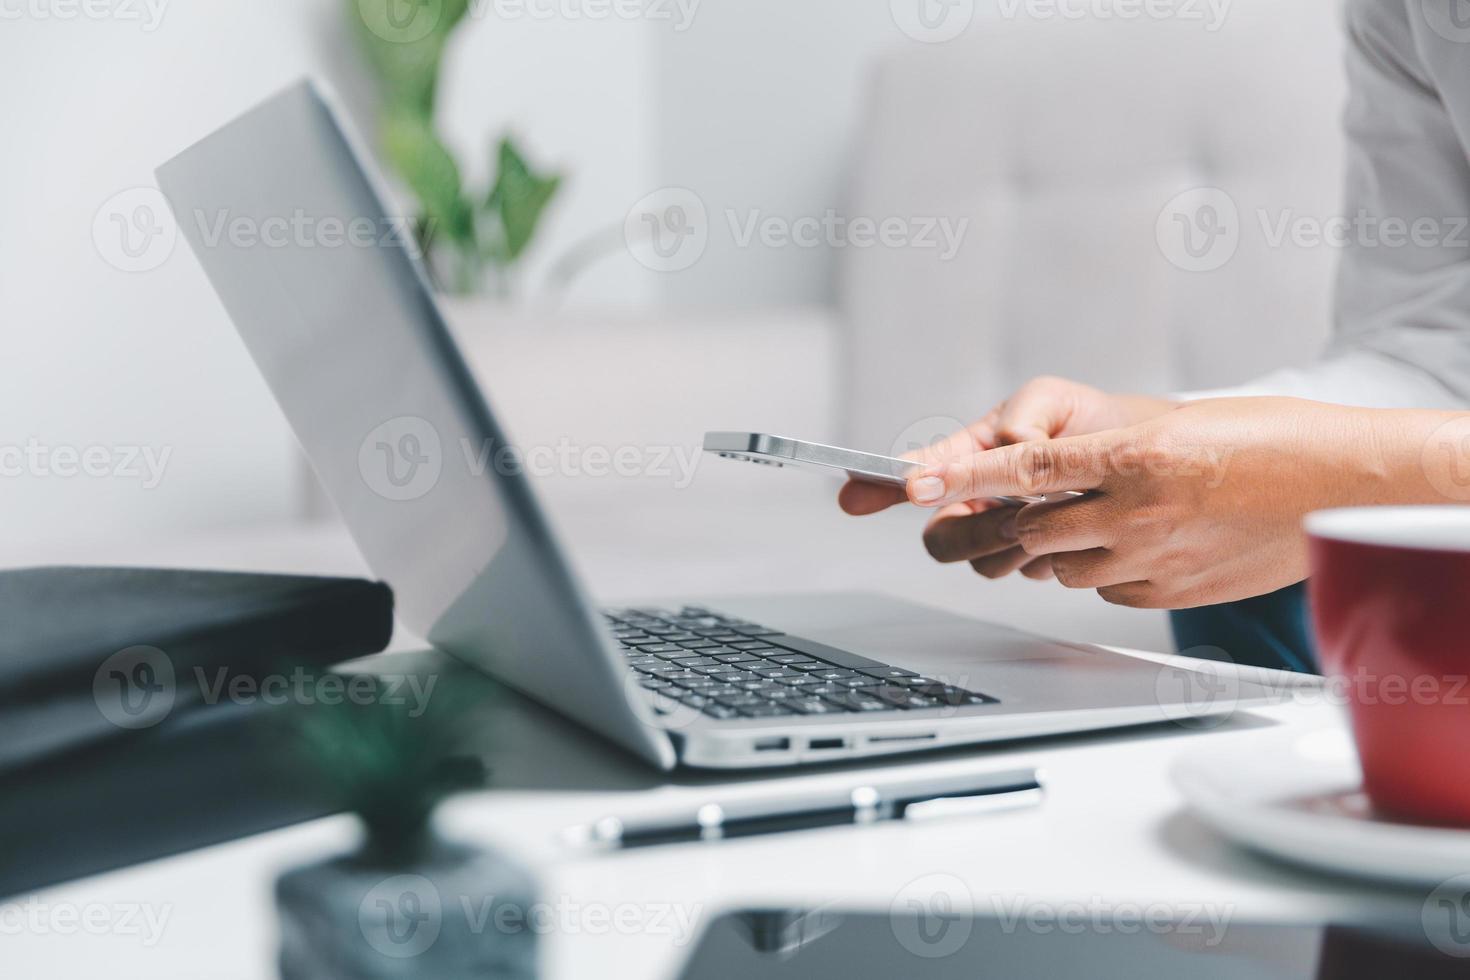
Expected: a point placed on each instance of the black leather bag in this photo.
(88, 654)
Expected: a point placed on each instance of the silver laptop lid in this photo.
(325, 288)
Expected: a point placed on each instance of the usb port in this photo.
(827, 743)
(772, 744)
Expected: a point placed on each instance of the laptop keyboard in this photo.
(732, 668)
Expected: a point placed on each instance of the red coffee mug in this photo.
(1390, 593)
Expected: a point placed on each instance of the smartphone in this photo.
(767, 450)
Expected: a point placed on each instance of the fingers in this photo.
(1069, 524)
(1039, 410)
(1078, 463)
(1137, 595)
(957, 533)
(859, 497)
(1095, 568)
(968, 441)
(1001, 564)
(1038, 569)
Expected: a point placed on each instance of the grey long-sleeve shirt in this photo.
(1402, 311)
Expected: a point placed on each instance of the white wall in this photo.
(750, 104)
(98, 357)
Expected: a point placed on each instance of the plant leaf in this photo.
(430, 171)
(517, 198)
(404, 41)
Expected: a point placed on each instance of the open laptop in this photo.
(325, 288)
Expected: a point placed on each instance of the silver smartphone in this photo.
(757, 447)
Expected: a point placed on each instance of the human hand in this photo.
(1198, 506)
(982, 532)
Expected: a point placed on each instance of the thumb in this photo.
(1026, 469)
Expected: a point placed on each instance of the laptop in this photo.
(288, 220)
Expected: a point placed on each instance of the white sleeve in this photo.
(1401, 331)
(1365, 379)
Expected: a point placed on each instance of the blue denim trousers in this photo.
(1272, 630)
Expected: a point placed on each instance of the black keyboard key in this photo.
(816, 706)
(739, 699)
(767, 710)
(721, 711)
(662, 648)
(886, 673)
(775, 672)
(718, 668)
(789, 658)
(696, 661)
(950, 695)
(757, 631)
(860, 680)
(751, 645)
(736, 658)
(834, 674)
(813, 667)
(858, 701)
(831, 655)
(697, 644)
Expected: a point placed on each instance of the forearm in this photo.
(1141, 408)
(1424, 457)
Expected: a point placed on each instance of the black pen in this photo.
(869, 802)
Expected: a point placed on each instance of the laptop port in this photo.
(772, 744)
(827, 743)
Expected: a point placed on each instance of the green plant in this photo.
(390, 761)
(470, 239)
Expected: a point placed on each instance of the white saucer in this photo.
(1299, 798)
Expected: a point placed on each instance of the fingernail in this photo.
(1007, 529)
(928, 489)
